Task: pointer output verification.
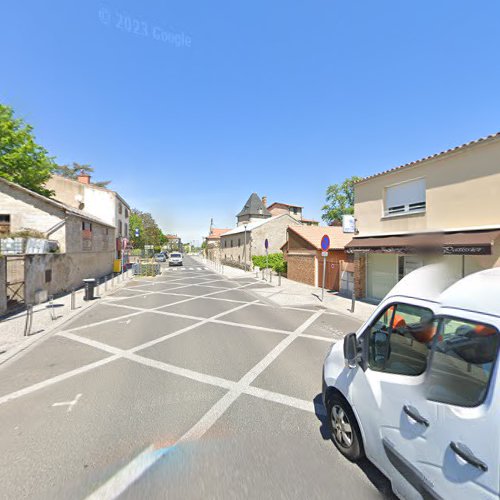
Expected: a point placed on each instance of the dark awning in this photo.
(456, 243)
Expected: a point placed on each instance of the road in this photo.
(186, 386)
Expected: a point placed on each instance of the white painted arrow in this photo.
(69, 404)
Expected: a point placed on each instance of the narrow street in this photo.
(187, 385)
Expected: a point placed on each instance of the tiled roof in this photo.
(251, 226)
(283, 204)
(437, 155)
(216, 233)
(254, 206)
(313, 235)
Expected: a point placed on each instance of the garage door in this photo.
(381, 274)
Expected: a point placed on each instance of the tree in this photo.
(150, 233)
(72, 172)
(22, 160)
(339, 200)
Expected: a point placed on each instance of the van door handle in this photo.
(463, 451)
(413, 413)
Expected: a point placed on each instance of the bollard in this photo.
(105, 283)
(112, 280)
(353, 301)
(262, 274)
(73, 300)
(279, 278)
(256, 273)
(29, 320)
(51, 306)
(270, 275)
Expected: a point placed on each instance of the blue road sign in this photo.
(137, 233)
(325, 243)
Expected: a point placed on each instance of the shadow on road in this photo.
(371, 472)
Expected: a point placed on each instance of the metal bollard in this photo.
(256, 273)
(29, 320)
(112, 281)
(279, 278)
(353, 301)
(270, 275)
(73, 300)
(105, 283)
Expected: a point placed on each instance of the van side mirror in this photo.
(350, 350)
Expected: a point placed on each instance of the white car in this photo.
(417, 389)
(175, 259)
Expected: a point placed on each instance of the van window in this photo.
(463, 358)
(400, 339)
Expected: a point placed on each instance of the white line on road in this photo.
(69, 404)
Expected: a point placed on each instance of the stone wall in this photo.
(100, 239)
(50, 274)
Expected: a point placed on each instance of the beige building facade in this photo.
(443, 208)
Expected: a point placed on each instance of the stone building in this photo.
(253, 210)
(239, 244)
(86, 243)
(212, 249)
(98, 201)
(278, 208)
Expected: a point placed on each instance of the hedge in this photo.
(276, 262)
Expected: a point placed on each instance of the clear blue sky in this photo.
(280, 97)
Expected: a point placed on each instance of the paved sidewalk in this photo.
(46, 317)
(293, 293)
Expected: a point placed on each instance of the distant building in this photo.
(295, 211)
(212, 249)
(101, 202)
(173, 244)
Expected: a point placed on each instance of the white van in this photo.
(417, 388)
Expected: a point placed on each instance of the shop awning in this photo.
(451, 243)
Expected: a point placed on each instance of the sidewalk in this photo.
(295, 294)
(47, 317)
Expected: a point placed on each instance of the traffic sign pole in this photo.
(325, 246)
(266, 244)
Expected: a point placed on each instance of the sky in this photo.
(190, 106)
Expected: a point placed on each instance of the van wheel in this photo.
(344, 428)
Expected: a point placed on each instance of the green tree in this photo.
(150, 233)
(72, 172)
(22, 160)
(135, 222)
(339, 200)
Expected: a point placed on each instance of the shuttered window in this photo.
(406, 197)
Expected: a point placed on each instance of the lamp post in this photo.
(245, 248)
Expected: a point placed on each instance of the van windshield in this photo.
(175, 255)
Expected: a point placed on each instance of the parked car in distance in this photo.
(417, 389)
(160, 257)
(175, 259)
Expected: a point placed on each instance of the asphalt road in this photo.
(186, 386)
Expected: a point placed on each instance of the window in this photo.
(119, 228)
(225, 243)
(405, 198)
(4, 223)
(463, 358)
(120, 208)
(231, 243)
(239, 242)
(126, 213)
(126, 231)
(399, 340)
(86, 226)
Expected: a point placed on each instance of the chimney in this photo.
(264, 201)
(83, 178)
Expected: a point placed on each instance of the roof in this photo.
(101, 188)
(482, 140)
(172, 237)
(55, 203)
(476, 292)
(314, 234)
(252, 225)
(216, 233)
(309, 220)
(253, 206)
(283, 204)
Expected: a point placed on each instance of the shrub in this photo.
(276, 262)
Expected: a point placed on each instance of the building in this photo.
(101, 202)
(173, 243)
(295, 211)
(253, 210)
(86, 244)
(445, 207)
(239, 244)
(303, 254)
(212, 249)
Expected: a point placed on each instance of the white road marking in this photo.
(69, 404)
(126, 322)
